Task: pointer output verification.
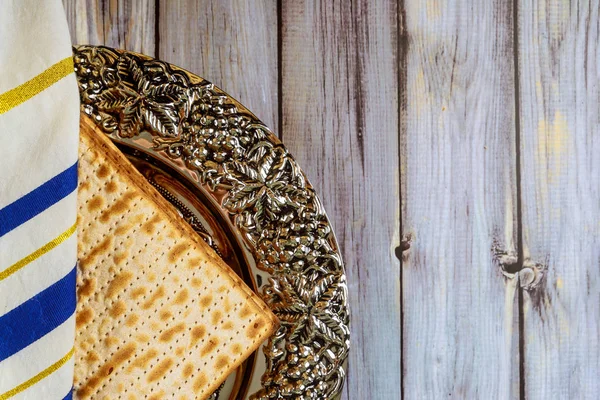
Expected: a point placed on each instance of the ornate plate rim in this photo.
(244, 167)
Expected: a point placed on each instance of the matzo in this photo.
(158, 313)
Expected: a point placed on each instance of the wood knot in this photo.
(531, 275)
(508, 261)
(402, 250)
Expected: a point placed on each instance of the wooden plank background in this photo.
(481, 121)
(323, 75)
(458, 185)
(559, 103)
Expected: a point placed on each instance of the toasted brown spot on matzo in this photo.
(132, 320)
(118, 208)
(143, 360)
(142, 337)
(160, 369)
(187, 370)
(157, 294)
(111, 341)
(177, 251)
(92, 357)
(95, 203)
(118, 258)
(222, 361)
(111, 187)
(115, 361)
(119, 283)
(138, 291)
(83, 317)
(254, 329)
(182, 296)
(193, 263)
(200, 382)
(118, 309)
(123, 229)
(165, 315)
(196, 283)
(168, 335)
(245, 311)
(198, 333)
(209, 347)
(101, 248)
(157, 396)
(86, 288)
(103, 171)
(216, 317)
(150, 226)
(206, 300)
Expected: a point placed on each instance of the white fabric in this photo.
(34, 36)
(19, 287)
(39, 153)
(34, 233)
(39, 141)
(56, 384)
(55, 344)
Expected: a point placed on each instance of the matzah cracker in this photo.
(158, 313)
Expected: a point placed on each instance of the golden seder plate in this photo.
(240, 189)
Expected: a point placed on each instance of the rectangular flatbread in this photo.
(159, 314)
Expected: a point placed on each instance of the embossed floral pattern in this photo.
(141, 103)
(259, 184)
(264, 186)
(313, 333)
(303, 306)
(300, 245)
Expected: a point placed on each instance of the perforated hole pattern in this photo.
(157, 314)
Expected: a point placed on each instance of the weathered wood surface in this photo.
(120, 24)
(459, 202)
(560, 144)
(493, 111)
(338, 114)
(231, 43)
(340, 102)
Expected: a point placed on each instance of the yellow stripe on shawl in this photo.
(27, 90)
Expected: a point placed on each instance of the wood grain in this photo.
(560, 142)
(231, 43)
(329, 77)
(339, 107)
(459, 203)
(128, 25)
